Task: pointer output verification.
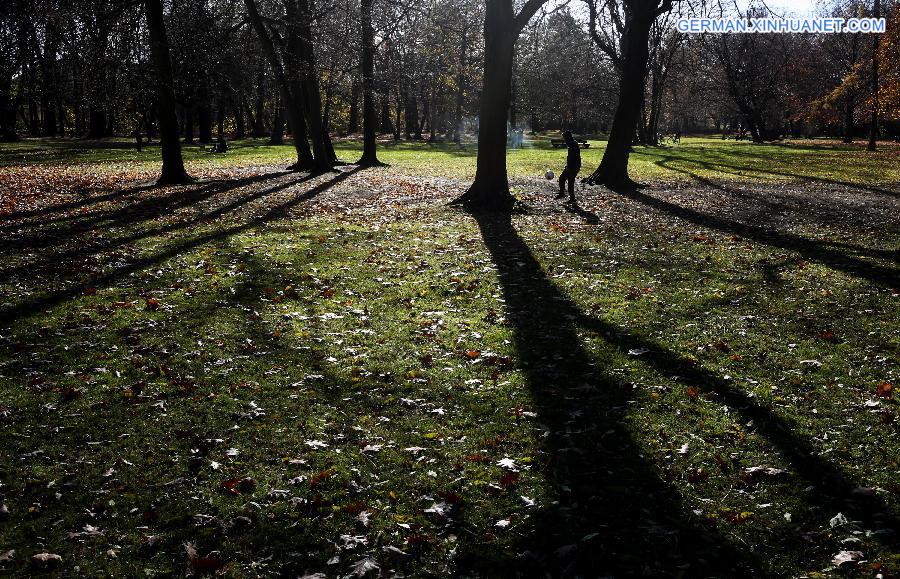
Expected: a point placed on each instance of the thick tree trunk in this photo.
(490, 189)
(290, 105)
(323, 153)
(411, 113)
(96, 123)
(237, 108)
(173, 164)
(49, 78)
(613, 169)
(370, 152)
(7, 111)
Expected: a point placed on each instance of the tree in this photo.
(370, 116)
(282, 68)
(633, 30)
(873, 123)
(11, 41)
(502, 26)
(889, 97)
(173, 165)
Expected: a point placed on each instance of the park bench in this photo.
(560, 143)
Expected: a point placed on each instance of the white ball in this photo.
(548, 174)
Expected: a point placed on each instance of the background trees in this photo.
(416, 71)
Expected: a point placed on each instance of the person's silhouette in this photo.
(573, 165)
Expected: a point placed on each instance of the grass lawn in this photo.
(265, 373)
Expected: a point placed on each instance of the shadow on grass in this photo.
(172, 435)
(820, 251)
(763, 167)
(32, 305)
(615, 514)
(48, 231)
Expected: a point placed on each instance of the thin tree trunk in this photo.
(460, 84)
(277, 136)
(848, 119)
(259, 129)
(204, 116)
(873, 124)
(188, 122)
(353, 117)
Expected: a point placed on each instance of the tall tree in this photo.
(370, 116)
(11, 48)
(634, 29)
(502, 26)
(173, 165)
(873, 123)
(287, 90)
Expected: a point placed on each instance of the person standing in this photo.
(573, 165)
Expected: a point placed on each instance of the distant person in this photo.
(573, 165)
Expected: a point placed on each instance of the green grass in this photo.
(447, 395)
(694, 157)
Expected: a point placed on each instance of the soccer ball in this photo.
(548, 174)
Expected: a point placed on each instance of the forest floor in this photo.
(268, 373)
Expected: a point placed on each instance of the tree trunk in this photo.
(277, 137)
(460, 85)
(386, 125)
(490, 189)
(204, 122)
(873, 124)
(237, 108)
(409, 103)
(353, 116)
(173, 165)
(613, 169)
(311, 99)
(188, 122)
(289, 104)
(96, 123)
(7, 111)
(848, 119)
(397, 112)
(259, 129)
(370, 153)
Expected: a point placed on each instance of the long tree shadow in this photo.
(49, 231)
(766, 207)
(109, 242)
(33, 304)
(724, 167)
(835, 489)
(614, 513)
(810, 249)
